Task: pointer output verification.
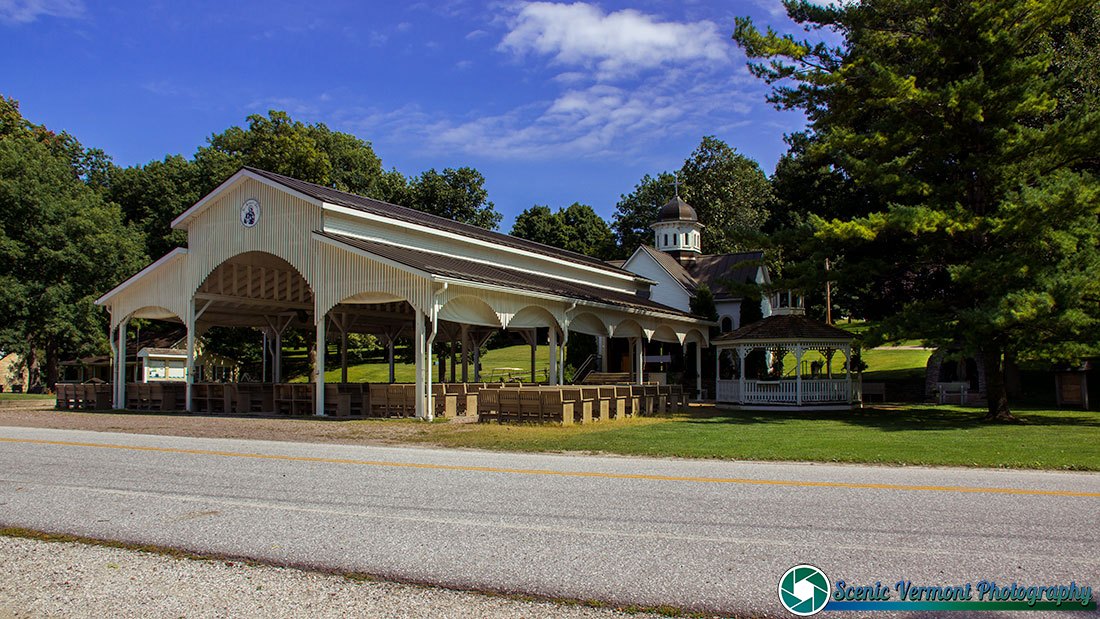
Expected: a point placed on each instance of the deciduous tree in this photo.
(62, 245)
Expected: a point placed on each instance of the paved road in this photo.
(692, 534)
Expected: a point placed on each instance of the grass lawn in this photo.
(861, 327)
(18, 397)
(491, 367)
(895, 364)
(914, 434)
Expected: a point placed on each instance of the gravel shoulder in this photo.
(71, 579)
(41, 414)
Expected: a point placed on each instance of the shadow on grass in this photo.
(902, 418)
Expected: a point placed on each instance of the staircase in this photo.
(608, 378)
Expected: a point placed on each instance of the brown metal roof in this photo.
(479, 272)
(717, 270)
(677, 210)
(674, 268)
(786, 327)
(410, 215)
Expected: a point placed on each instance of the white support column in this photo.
(601, 350)
(848, 376)
(741, 354)
(120, 379)
(552, 377)
(639, 359)
(191, 355)
(319, 369)
(798, 375)
(717, 370)
(563, 348)
(699, 370)
(111, 337)
(418, 346)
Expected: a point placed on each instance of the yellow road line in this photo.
(590, 474)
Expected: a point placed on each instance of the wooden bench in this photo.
(487, 407)
(583, 404)
(555, 407)
(952, 389)
(877, 389)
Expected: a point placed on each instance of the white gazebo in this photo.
(786, 361)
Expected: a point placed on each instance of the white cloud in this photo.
(594, 121)
(27, 11)
(615, 44)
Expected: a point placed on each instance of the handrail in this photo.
(585, 368)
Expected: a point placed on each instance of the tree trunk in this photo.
(996, 395)
(51, 365)
(1014, 386)
(30, 362)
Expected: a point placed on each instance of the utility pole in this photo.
(828, 296)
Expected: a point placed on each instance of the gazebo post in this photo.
(741, 354)
(319, 367)
(798, 375)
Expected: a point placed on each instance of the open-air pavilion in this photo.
(786, 361)
(271, 252)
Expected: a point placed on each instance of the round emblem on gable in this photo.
(250, 213)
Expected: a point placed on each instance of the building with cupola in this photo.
(676, 262)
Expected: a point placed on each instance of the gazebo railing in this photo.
(785, 391)
(826, 390)
(770, 392)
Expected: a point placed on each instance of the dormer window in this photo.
(666, 240)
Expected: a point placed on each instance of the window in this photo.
(685, 238)
(726, 324)
(666, 240)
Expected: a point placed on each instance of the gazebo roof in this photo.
(785, 328)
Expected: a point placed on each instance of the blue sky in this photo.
(552, 102)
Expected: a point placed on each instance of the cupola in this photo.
(677, 231)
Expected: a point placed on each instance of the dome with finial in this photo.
(677, 210)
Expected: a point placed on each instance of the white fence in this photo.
(814, 391)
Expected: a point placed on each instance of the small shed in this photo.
(786, 361)
(1071, 385)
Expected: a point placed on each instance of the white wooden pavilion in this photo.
(271, 252)
(786, 361)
